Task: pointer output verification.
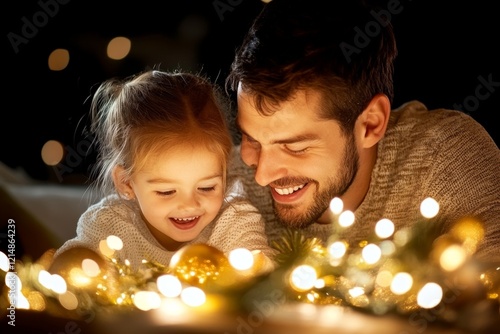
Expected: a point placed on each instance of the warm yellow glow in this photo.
(356, 291)
(169, 285)
(303, 278)
(104, 249)
(52, 152)
(346, 218)
(147, 300)
(14, 283)
(44, 278)
(36, 301)
(429, 207)
(4, 262)
(58, 284)
(401, 283)
(241, 259)
(193, 296)
(452, 257)
(384, 278)
(384, 228)
(430, 295)
(119, 48)
(58, 59)
(114, 242)
(68, 300)
(90, 268)
(337, 249)
(371, 253)
(78, 277)
(387, 247)
(336, 205)
(470, 232)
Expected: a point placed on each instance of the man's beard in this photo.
(293, 217)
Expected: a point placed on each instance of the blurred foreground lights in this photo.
(430, 295)
(58, 59)
(356, 292)
(371, 253)
(52, 282)
(4, 262)
(401, 283)
(169, 285)
(429, 207)
(337, 249)
(90, 268)
(346, 218)
(303, 278)
(52, 152)
(13, 282)
(193, 296)
(68, 300)
(241, 259)
(336, 205)
(119, 48)
(384, 228)
(147, 300)
(114, 242)
(452, 257)
(110, 245)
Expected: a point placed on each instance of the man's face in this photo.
(305, 160)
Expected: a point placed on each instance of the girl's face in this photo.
(179, 193)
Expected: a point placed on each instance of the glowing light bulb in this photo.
(169, 285)
(90, 268)
(241, 259)
(452, 257)
(193, 296)
(429, 207)
(401, 283)
(371, 253)
(303, 277)
(4, 262)
(346, 218)
(336, 205)
(430, 295)
(337, 249)
(147, 300)
(114, 242)
(384, 228)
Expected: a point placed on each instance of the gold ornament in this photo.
(199, 264)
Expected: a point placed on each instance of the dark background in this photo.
(445, 48)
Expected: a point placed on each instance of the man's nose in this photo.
(267, 168)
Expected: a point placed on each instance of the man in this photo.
(314, 84)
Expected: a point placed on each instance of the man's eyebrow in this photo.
(296, 139)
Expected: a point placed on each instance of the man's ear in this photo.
(122, 183)
(372, 123)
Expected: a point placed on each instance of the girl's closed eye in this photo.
(207, 189)
(165, 193)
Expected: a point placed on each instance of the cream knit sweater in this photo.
(441, 154)
(238, 225)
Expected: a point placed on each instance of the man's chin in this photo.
(297, 217)
(292, 217)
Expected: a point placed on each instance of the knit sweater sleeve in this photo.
(93, 226)
(240, 226)
(465, 179)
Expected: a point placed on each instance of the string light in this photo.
(390, 272)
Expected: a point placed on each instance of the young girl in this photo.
(164, 148)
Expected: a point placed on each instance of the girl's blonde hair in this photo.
(142, 116)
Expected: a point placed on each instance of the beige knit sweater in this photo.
(441, 154)
(238, 225)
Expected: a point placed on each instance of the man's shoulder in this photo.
(414, 123)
